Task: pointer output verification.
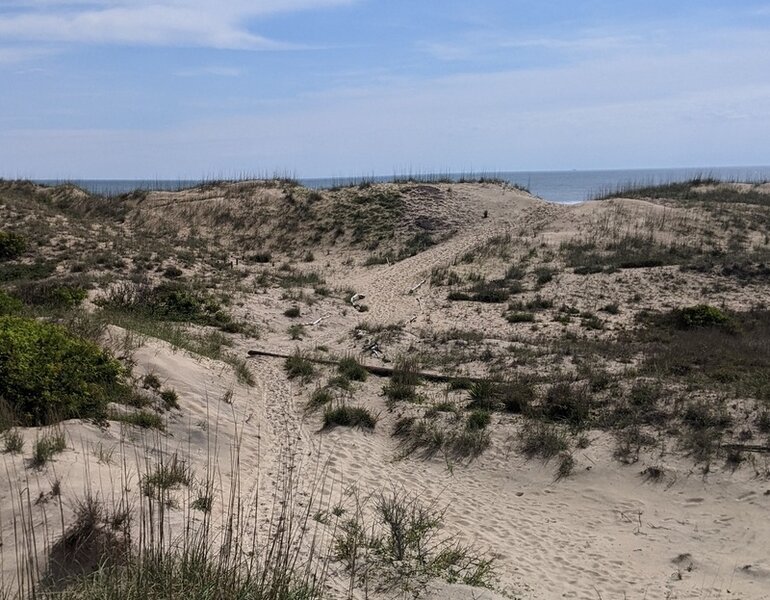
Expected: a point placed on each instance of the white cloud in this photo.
(210, 71)
(15, 56)
(199, 23)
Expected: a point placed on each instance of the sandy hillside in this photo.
(659, 482)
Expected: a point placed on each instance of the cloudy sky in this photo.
(222, 88)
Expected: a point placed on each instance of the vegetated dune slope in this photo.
(646, 497)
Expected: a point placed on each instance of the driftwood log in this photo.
(747, 448)
(373, 369)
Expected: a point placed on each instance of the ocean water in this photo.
(556, 186)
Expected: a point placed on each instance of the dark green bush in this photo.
(349, 416)
(567, 403)
(520, 317)
(25, 272)
(170, 301)
(478, 419)
(292, 312)
(701, 315)
(404, 381)
(352, 369)
(12, 245)
(52, 293)
(297, 365)
(9, 305)
(172, 272)
(321, 397)
(47, 373)
(142, 418)
(541, 439)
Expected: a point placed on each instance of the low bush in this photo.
(13, 442)
(352, 369)
(512, 396)
(542, 439)
(403, 381)
(292, 312)
(567, 404)
(168, 301)
(701, 315)
(52, 293)
(9, 305)
(520, 317)
(478, 420)
(12, 245)
(349, 416)
(46, 373)
(298, 366)
(142, 418)
(46, 447)
(170, 398)
(320, 397)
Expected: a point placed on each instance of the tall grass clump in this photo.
(298, 366)
(404, 380)
(403, 545)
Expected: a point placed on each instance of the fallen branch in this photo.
(417, 287)
(747, 448)
(316, 322)
(373, 369)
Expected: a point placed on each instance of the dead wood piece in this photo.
(747, 448)
(373, 369)
(317, 321)
(417, 287)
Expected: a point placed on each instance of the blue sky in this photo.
(197, 88)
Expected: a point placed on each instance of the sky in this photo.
(187, 89)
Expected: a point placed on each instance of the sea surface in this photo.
(556, 186)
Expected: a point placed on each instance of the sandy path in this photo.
(387, 287)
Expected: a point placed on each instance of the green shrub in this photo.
(172, 272)
(14, 443)
(349, 416)
(170, 398)
(9, 305)
(520, 317)
(352, 369)
(701, 315)
(296, 331)
(47, 373)
(52, 293)
(403, 381)
(46, 447)
(542, 439)
(478, 420)
(292, 312)
(320, 397)
(141, 418)
(566, 403)
(516, 395)
(169, 301)
(12, 245)
(297, 365)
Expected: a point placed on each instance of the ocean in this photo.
(556, 186)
